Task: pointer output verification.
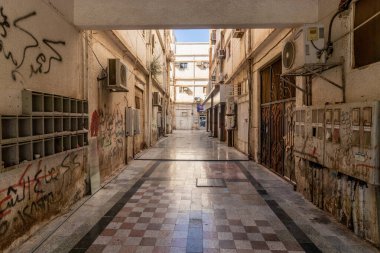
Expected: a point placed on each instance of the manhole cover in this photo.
(207, 182)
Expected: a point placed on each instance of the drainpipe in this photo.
(250, 96)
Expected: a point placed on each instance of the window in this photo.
(204, 90)
(183, 89)
(184, 114)
(183, 65)
(239, 89)
(367, 36)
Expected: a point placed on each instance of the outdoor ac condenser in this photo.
(302, 49)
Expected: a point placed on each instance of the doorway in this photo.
(277, 104)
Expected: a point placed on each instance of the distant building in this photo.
(190, 80)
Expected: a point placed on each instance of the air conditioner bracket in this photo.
(316, 70)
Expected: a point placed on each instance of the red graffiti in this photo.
(94, 129)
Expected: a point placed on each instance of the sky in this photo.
(192, 35)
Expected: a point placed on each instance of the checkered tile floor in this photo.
(175, 216)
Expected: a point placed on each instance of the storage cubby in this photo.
(38, 149)
(85, 139)
(9, 127)
(66, 124)
(48, 103)
(79, 106)
(25, 152)
(85, 107)
(37, 126)
(58, 104)
(58, 124)
(66, 105)
(74, 124)
(9, 155)
(37, 102)
(74, 141)
(24, 126)
(58, 144)
(66, 142)
(48, 125)
(80, 122)
(73, 105)
(80, 140)
(49, 147)
(85, 123)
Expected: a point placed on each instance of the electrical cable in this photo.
(343, 6)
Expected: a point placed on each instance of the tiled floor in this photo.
(155, 206)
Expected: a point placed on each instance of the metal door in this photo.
(277, 102)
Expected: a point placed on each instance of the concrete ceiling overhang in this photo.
(157, 14)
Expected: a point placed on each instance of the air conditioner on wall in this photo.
(157, 100)
(237, 33)
(117, 76)
(303, 48)
(221, 53)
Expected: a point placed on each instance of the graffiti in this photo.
(94, 128)
(40, 191)
(42, 51)
(109, 127)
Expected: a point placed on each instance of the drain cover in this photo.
(207, 182)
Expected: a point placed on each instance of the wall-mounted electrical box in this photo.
(352, 140)
(129, 121)
(343, 137)
(137, 129)
(230, 122)
(309, 133)
(230, 106)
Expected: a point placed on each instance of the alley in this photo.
(155, 205)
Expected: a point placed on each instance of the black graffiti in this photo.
(42, 62)
(41, 58)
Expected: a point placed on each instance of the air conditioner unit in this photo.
(199, 64)
(238, 33)
(213, 78)
(136, 124)
(117, 76)
(213, 37)
(303, 49)
(221, 53)
(157, 100)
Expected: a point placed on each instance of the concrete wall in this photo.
(36, 55)
(41, 51)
